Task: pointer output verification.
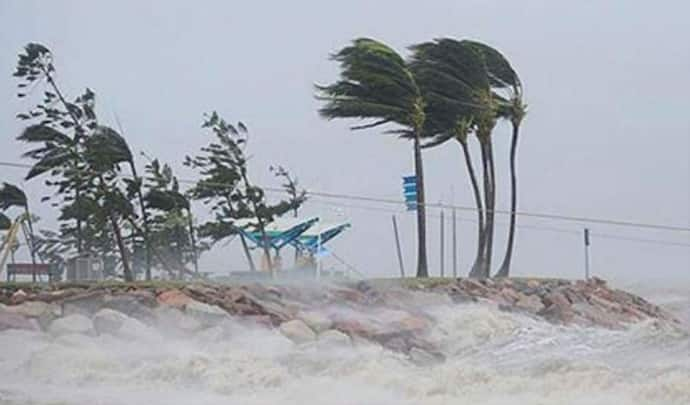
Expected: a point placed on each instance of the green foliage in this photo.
(11, 196)
(376, 84)
(5, 222)
(225, 185)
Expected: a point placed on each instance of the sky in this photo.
(606, 136)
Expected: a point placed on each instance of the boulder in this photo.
(18, 297)
(108, 321)
(137, 305)
(334, 337)
(204, 313)
(71, 324)
(316, 321)
(83, 303)
(174, 298)
(9, 320)
(297, 331)
(33, 309)
(529, 303)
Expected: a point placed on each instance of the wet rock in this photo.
(84, 303)
(318, 322)
(204, 313)
(9, 320)
(174, 298)
(297, 331)
(108, 321)
(134, 305)
(529, 303)
(71, 324)
(18, 297)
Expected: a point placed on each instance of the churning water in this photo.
(492, 358)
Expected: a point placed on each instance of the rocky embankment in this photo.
(391, 313)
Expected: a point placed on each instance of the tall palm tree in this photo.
(508, 94)
(376, 84)
(449, 74)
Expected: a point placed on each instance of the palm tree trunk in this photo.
(118, 233)
(262, 226)
(477, 266)
(145, 217)
(192, 241)
(480, 271)
(504, 270)
(31, 240)
(490, 210)
(422, 269)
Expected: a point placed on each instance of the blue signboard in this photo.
(410, 192)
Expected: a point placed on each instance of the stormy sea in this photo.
(491, 357)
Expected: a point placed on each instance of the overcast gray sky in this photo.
(607, 133)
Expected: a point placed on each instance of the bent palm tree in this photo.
(449, 73)
(504, 79)
(376, 84)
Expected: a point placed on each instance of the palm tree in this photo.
(508, 92)
(376, 84)
(449, 73)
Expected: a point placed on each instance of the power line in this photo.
(354, 197)
(519, 226)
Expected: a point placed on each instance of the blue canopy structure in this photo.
(316, 237)
(279, 233)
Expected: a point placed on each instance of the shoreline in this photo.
(387, 312)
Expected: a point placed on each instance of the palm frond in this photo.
(44, 133)
(11, 196)
(5, 222)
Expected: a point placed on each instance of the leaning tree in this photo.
(376, 84)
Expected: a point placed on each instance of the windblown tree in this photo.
(172, 225)
(465, 83)
(290, 184)
(80, 157)
(225, 185)
(449, 74)
(377, 85)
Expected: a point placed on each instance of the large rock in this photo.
(297, 331)
(83, 303)
(206, 314)
(529, 303)
(558, 308)
(174, 298)
(71, 324)
(34, 309)
(316, 321)
(135, 329)
(108, 321)
(423, 357)
(9, 320)
(137, 304)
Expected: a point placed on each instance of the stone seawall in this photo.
(386, 312)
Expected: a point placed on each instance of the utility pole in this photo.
(586, 253)
(442, 246)
(397, 245)
(455, 247)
